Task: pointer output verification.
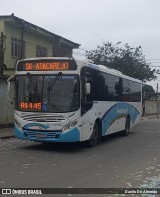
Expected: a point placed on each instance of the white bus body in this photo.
(67, 100)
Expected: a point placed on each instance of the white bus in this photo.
(67, 100)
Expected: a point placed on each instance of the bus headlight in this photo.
(66, 127)
(74, 123)
(70, 125)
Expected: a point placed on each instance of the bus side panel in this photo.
(117, 125)
(116, 115)
(88, 120)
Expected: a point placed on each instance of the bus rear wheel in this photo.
(94, 139)
(125, 132)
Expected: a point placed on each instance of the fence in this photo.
(152, 107)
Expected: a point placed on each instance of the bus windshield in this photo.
(47, 93)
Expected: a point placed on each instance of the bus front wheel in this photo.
(94, 139)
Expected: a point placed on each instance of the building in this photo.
(21, 39)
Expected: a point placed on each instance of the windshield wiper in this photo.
(50, 87)
(32, 82)
(34, 85)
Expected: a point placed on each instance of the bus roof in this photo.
(106, 69)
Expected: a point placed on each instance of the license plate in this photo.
(41, 135)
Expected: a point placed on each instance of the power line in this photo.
(154, 66)
(155, 61)
(152, 59)
(83, 49)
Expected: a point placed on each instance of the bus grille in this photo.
(32, 134)
(42, 117)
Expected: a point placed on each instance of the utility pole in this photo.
(22, 41)
(157, 100)
(1, 54)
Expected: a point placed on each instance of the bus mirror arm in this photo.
(9, 87)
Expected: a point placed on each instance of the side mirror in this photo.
(87, 88)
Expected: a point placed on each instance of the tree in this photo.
(130, 61)
(148, 89)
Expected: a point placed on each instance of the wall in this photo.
(152, 107)
(9, 31)
(31, 38)
(61, 51)
(1, 26)
(6, 108)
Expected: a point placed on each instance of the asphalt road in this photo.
(132, 161)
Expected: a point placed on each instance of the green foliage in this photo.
(148, 89)
(130, 61)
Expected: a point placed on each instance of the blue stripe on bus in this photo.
(117, 111)
(72, 135)
(30, 125)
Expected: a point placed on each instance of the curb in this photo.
(6, 133)
(9, 125)
(7, 137)
(150, 118)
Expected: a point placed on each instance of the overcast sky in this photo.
(89, 22)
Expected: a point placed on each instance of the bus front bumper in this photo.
(72, 135)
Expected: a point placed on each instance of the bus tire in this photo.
(95, 137)
(125, 132)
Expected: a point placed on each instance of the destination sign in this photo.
(46, 65)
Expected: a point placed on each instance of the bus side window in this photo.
(118, 88)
